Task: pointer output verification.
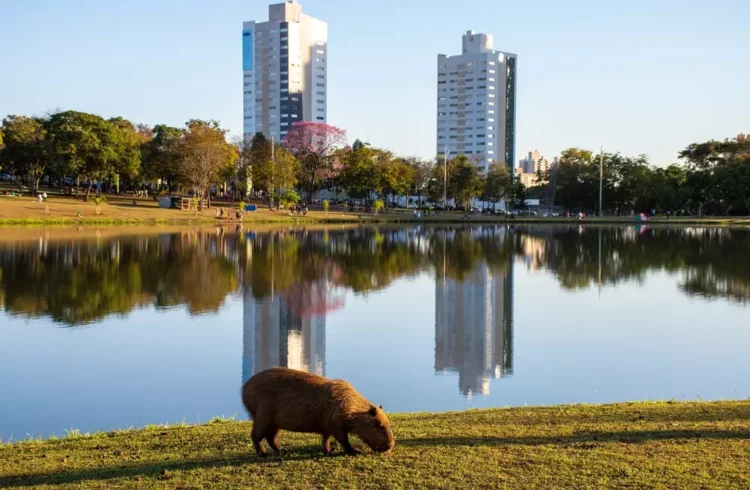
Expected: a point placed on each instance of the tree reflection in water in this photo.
(82, 281)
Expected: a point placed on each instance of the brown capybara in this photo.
(286, 399)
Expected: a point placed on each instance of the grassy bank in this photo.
(636, 445)
(121, 210)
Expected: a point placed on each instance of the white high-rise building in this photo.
(284, 64)
(476, 104)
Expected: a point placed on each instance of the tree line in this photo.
(712, 178)
(75, 149)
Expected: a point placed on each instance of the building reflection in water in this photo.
(474, 324)
(287, 328)
(274, 335)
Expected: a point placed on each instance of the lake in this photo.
(122, 329)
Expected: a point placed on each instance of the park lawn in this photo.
(127, 210)
(632, 445)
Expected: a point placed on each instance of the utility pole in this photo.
(273, 169)
(601, 178)
(445, 180)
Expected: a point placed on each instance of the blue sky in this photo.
(636, 77)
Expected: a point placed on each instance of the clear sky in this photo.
(642, 76)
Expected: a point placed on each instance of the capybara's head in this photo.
(374, 428)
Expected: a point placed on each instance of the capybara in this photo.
(287, 399)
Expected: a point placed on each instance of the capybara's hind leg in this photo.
(257, 436)
(272, 436)
(327, 443)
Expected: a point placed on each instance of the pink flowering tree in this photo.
(314, 144)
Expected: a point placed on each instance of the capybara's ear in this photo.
(373, 411)
(381, 407)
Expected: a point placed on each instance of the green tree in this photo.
(421, 170)
(464, 182)
(90, 147)
(161, 156)
(128, 141)
(357, 170)
(396, 177)
(497, 183)
(26, 151)
(205, 155)
(272, 174)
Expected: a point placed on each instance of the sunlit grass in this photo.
(635, 445)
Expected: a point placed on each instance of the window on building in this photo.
(490, 128)
(320, 101)
(294, 116)
(320, 77)
(490, 152)
(284, 124)
(492, 63)
(320, 84)
(320, 93)
(284, 90)
(441, 137)
(320, 118)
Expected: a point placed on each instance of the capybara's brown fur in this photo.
(286, 399)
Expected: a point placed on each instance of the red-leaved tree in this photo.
(314, 145)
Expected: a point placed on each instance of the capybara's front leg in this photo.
(327, 444)
(343, 439)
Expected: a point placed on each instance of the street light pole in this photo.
(273, 168)
(601, 178)
(445, 180)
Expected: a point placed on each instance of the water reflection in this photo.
(474, 316)
(80, 281)
(357, 303)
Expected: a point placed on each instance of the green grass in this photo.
(634, 445)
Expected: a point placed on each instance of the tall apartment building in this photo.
(284, 65)
(476, 104)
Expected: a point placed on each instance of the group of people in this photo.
(220, 213)
(298, 209)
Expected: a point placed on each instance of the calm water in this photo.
(103, 333)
